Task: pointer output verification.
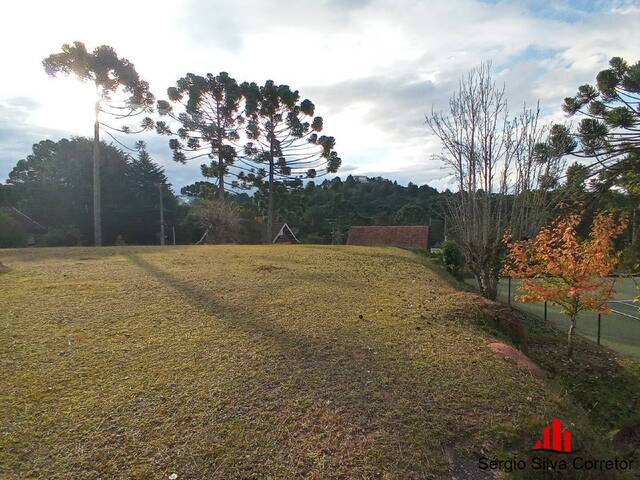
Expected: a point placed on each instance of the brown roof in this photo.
(397, 236)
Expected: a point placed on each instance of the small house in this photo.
(282, 233)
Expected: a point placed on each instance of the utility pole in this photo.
(445, 227)
(97, 207)
(270, 206)
(332, 224)
(161, 215)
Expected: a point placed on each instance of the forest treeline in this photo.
(52, 185)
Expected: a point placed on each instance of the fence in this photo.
(618, 330)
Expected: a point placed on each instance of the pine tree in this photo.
(609, 131)
(208, 124)
(111, 75)
(284, 143)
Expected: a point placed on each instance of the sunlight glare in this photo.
(70, 105)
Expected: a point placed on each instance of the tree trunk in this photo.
(270, 200)
(220, 181)
(97, 213)
(160, 193)
(220, 172)
(634, 227)
(572, 332)
(487, 282)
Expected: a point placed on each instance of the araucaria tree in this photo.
(120, 94)
(283, 144)
(208, 124)
(504, 172)
(610, 128)
(556, 266)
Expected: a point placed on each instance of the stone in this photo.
(516, 357)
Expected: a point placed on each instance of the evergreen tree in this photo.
(200, 190)
(53, 186)
(147, 179)
(323, 212)
(208, 124)
(111, 75)
(609, 131)
(284, 142)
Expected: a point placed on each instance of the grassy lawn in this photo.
(269, 362)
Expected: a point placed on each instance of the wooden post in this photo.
(545, 311)
(445, 227)
(97, 206)
(161, 215)
(509, 291)
(599, 319)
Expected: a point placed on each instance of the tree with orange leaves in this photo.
(558, 267)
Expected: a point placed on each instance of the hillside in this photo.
(257, 362)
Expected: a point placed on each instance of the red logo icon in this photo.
(554, 439)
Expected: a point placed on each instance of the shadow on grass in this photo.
(378, 394)
(370, 385)
(605, 383)
(39, 254)
(304, 349)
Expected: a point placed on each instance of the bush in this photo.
(62, 237)
(630, 260)
(453, 258)
(11, 236)
(219, 218)
(315, 239)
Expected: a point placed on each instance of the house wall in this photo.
(397, 236)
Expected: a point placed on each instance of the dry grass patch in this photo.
(247, 362)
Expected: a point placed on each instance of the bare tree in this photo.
(220, 219)
(504, 172)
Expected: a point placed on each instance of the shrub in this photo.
(453, 258)
(11, 235)
(315, 239)
(630, 259)
(559, 267)
(219, 218)
(62, 237)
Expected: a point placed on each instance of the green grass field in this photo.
(617, 331)
(272, 362)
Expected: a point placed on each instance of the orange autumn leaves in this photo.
(557, 266)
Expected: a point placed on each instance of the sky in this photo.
(373, 68)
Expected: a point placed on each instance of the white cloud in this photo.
(373, 68)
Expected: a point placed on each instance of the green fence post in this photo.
(599, 318)
(545, 311)
(509, 291)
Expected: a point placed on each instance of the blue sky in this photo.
(372, 67)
